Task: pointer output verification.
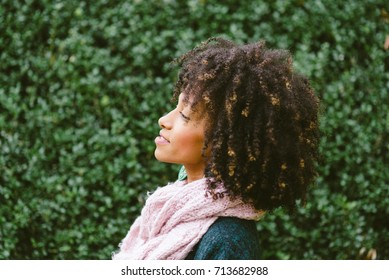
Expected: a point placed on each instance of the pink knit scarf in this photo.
(174, 219)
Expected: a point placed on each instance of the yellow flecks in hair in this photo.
(230, 102)
(274, 100)
(204, 61)
(302, 163)
(231, 170)
(231, 153)
(252, 158)
(206, 76)
(234, 97)
(284, 166)
(216, 173)
(282, 185)
(245, 112)
(288, 85)
(229, 110)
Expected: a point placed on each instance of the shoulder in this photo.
(228, 239)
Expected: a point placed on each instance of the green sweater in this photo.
(228, 239)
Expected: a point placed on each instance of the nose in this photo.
(165, 122)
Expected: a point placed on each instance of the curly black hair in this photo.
(262, 118)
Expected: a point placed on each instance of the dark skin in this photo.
(262, 121)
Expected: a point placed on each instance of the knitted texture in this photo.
(174, 219)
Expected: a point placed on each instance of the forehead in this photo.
(186, 97)
(186, 100)
(195, 107)
(182, 97)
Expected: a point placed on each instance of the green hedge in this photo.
(82, 85)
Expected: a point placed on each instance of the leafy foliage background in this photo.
(83, 83)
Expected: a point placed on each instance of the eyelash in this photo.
(185, 117)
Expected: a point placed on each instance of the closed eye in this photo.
(184, 116)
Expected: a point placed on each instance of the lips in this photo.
(161, 135)
(161, 140)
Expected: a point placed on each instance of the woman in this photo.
(246, 131)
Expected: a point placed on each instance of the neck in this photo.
(194, 174)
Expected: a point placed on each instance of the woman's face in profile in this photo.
(181, 138)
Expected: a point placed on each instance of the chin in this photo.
(162, 158)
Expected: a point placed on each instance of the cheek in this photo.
(192, 142)
(195, 138)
